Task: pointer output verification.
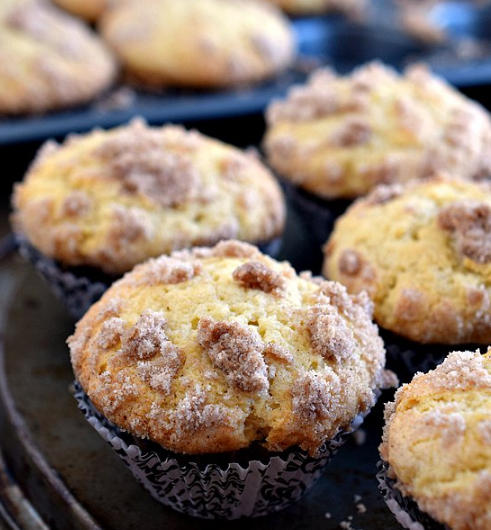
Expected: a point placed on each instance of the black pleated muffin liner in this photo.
(316, 215)
(226, 486)
(404, 508)
(80, 287)
(406, 357)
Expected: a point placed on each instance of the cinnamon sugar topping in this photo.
(330, 335)
(470, 222)
(384, 193)
(237, 350)
(350, 262)
(316, 397)
(138, 158)
(354, 131)
(256, 275)
(76, 204)
(161, 371)
(279, 353)
(168, 270)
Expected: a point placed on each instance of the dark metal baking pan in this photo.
(463, 60)
(56, 473)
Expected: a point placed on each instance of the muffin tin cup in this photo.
(316, 215)
(406, 357)
(76, 291)
(216, 491)
(405, 509)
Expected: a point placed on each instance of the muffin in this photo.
(337, 137)
(199, 43)
(214, 351)
(89, 10)
(108, 200)
(436, 447)
(423, 254)
(48, 60)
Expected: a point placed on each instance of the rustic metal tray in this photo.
(464, 60)
(55, 471)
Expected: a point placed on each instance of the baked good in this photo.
(199, 43)
(437, 446)
(423, 254)
(89, 10)
(210, 350)
(339, 136)
(48, 60)
(110, 199)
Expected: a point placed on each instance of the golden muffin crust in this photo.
(199, 43)
(309, 7)
(423, 253)
(437, 441)
(110, 199)
(210, 350)
(48, 59)
(337, 137)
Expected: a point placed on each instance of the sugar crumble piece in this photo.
(237, 351)
(256, 275)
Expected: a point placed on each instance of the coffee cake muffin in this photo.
(48, 60)
(339, 136)
(199, 43)
(215, 350)
(423, 254)
(437, 447)
(108, 200)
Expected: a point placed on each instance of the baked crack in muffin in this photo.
(48, 60)
(437, 446)
(215, 350)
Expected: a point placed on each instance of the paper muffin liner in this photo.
(77, 291)
(214, 491)
(404, 508)
(317, 215)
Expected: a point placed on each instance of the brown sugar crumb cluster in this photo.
(316, 397)
(470, 223)
(128, 225)
(223, 249)
(354, 131)
(279, 353)
(166, 270)
(330, 334)
(350, 262)
(449, 426)
(384, 193)
(256, 275)
(138, 158)
(76, 204)
(237, 351)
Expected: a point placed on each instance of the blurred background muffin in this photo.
(337, 137)
(110, 199)
(353, 8)
(199, 43)
(48, 60)
(436, 446)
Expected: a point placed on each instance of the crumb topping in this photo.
(484, 429)
(384, 193)
(354, 131)
(256, 275)
(168, 270)
(161, 371)
(110, 333)
(350, 262)
(278, 353)
(315, 396)
(470, 223)
(237, 350)
(330, 334)
(449, 426)
(129, 225)
(138, 158)
(223, 249)
(76, 204)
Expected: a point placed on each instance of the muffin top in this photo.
(89, 10)
(199, 43)
(48, 59)
(110, 199)
(337, 137)
(423, 253)
(437, 441)
(209, 350)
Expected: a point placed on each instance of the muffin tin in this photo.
(464, 60)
